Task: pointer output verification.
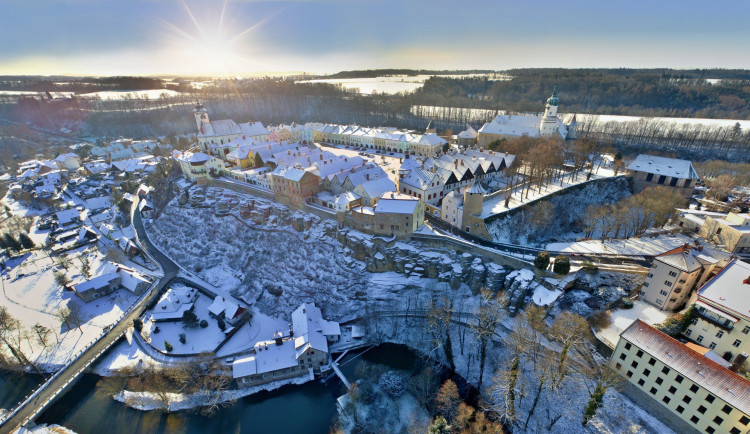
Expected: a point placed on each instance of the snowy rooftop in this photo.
(718, 380)
(396, 203)
(671, 167)
(730, 289)
(97, 282)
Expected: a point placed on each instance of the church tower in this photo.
(549, 120)
(201, 115)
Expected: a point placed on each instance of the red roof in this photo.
(718, 380)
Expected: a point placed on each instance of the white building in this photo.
(723, 308)
(517, 125)
(174, 303)
(675, 274)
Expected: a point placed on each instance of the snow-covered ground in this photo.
(198, 339)
(32, 296)
(622, 318)
(496, 205)
(261, 328)
(643, 245)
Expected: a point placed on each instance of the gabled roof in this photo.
(376, 187)
(684, 258)
(672, 167)
(468, 133)
(716, 379)
(396, 203)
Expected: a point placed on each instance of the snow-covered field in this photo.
(31, 295)
(643, 245)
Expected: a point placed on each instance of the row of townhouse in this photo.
(433, 178)
(385, 139)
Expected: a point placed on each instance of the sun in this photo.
(211, 45)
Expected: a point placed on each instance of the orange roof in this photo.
(697, 348)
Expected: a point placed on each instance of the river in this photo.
(15, 386)
(308, 408)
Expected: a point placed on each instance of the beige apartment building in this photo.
(698, 393)
(731, 233)
(723, 308)
(675, 274)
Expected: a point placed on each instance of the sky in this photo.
(214, 37)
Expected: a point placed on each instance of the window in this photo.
(710, 430)
(694, 419)
(702, 410)
(618, 366)
(646, 372)
(659, 301)
(727, 409)
(694, 388)
(710, 399)
(700, 339)
(719, 334)
(718, 420)
(659, 381)
(630, 374)
(672, 389)
(686, 399)
(668, 282)
(639, 353)
(634, 364)
(627, 346)
(666, 399)
(678, 378)
(680, 409)
(744, 420)
(735, 430)
(649, 177)
(673, 273)
(746, 330)
(687, 332)
(641, 382)
(737, 343)
(653, 390)
(665, 370)
(712, 346)
(650, 274)
(622, 356)
(663, 292)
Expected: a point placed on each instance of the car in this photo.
(391, 153)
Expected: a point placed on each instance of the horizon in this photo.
(247, 37)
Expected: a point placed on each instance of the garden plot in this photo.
(198, 339)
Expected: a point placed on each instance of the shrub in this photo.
(138, 324)
(589, 267)
(627, 303)
(204, 323)
(168, 346)
(156, 329)
(562, 265)
(221, 324)
(392, 384)
(601, 320)
(677, 323)
(542, 260)
(183, 338)
(189, 320)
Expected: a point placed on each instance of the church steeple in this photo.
(549, 120)
(201, 115)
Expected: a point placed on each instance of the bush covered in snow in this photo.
(392, 384)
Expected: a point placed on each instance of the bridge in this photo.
(57, 384)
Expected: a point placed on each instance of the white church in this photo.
(518, 125)
(214, 137)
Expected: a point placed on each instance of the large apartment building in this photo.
(723, 308)
(699, 393)
(675, 274)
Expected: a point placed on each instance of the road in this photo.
(54, 387)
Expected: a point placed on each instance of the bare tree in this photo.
(488, 316)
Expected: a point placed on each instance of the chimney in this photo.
(278, 338)
(291, 331)
(367, 176)
(738, 362)
(462, 162)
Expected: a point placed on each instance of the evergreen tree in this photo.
(183, 338)
(448, 348)
(167, 346)
(25, 241)
(542, 260)
(189, 320)
(11, 242)
(562, 265)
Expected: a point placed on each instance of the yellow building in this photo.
(700, 393)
